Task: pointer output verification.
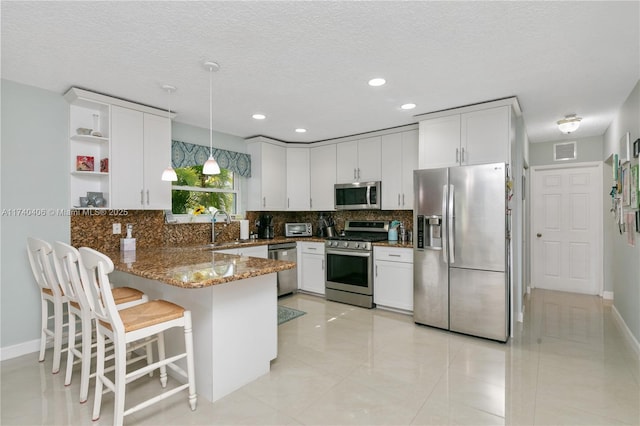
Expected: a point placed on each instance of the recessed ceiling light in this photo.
(375, 82)
(301, 130)
(259, 116)
(408, 106)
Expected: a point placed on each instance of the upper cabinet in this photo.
(359, 160)
(477, 134)
(322, 174)
(123, 155)
(400, 159)
(267, 185)
(298, 197)
(141, 150)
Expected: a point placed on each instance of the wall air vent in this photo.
(564, 151)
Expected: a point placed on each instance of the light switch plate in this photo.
(117, 229)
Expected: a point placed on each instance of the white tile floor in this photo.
(341, 365)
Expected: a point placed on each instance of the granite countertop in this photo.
(396, 244)
(193, 267)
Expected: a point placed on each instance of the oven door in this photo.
(349, 270)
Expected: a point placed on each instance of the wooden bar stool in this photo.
(40, 254)
(131, 325)
(68, 270)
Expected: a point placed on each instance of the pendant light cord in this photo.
(211, 111)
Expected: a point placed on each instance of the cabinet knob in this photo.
(538, 235)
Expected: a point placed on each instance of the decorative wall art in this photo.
(624, 177)
(636, 148)
(624, 148)
(633, 187)
(84, 163)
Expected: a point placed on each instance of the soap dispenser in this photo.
(128, 243)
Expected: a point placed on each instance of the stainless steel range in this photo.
(349, 263)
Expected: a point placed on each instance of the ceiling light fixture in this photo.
(408, 106)
(259, 116)
(569, 123)
(301, 130)
(211, 166)
(375, 82)
(169, 174)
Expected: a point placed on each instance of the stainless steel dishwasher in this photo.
(287, 280)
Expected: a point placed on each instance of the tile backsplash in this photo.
(150, 229)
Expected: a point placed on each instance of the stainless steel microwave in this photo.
(357, 196)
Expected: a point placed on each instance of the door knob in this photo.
(538, 235)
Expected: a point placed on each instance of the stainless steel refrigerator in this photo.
(461, 250)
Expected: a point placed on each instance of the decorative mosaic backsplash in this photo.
(150, 229)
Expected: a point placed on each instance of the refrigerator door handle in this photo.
(445, 224)
(451, 225)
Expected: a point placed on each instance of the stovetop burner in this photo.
(358, 235)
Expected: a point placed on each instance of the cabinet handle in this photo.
(148, 200)
(310, 203)
(358, 172)
(376, 270)
(312, 248)
(398, 199)
(323, 264)
(457, 155)
(264, 201)
(462, 156)
(354, 174)
(403, 199)
(393, 255)
(142, 197)
(288, 202)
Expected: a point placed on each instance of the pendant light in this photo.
(211, 166)
(169, 174)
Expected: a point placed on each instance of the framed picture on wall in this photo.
(633, 188)
(636, 148)
(626, 184)
(624, 148)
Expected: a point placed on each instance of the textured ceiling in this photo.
(306, 64)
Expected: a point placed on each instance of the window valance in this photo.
(184, 154)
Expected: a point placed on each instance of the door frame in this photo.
(598, 165)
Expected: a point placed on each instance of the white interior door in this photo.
(566, 228)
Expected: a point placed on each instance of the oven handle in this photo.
(349, 253)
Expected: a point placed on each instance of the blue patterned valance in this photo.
(185, 154)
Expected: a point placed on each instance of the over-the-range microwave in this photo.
(357, 196)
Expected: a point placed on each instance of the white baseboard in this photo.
(19, 349)
(529, 289)
(633, 342)
(607, 295)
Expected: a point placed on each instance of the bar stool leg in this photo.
(162, 357)
(85, 370)
(44, 312)
(120, 354)
(58, 314)
(97, 401)
(188, 344)
(71, 343)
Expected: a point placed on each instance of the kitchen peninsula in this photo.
(233, 304)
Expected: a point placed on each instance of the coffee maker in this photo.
(265, 226)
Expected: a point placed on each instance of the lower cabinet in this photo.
(311, 267)
(393, 278)
(255, 251)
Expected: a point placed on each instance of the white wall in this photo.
(34, 175)
(587, 149)
(623, 266)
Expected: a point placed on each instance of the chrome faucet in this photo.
(227, 221)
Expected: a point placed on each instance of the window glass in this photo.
(195, 192)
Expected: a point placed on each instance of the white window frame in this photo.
(181, 218)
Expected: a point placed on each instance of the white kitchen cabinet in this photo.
(312, 267)
(472, 137)
(359, 160)
(254, 251)
(140, 151)
(393, 278)
(322, 171)
(400, 159)
(267, 184)
(134, 149)
(298, 197)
